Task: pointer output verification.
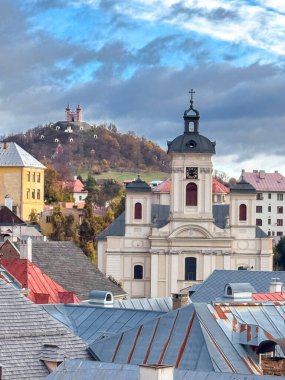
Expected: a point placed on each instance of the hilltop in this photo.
(96, 149)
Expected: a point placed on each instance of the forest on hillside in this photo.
(97, 150)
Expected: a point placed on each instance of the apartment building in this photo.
(270, 201)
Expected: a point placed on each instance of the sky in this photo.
(133, 63)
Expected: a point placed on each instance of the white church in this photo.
(163, 243)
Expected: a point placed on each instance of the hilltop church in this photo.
(162, 244)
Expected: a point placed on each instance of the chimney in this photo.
(275, 286)
(179, 300)
(261, 174)
(156, 372)
(5, 145)
(26, 248)
(8, 202)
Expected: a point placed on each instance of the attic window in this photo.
(229, 291)
(191, 144)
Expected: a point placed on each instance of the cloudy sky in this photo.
(133, 62)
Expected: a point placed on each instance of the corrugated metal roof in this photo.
(218, 187)
(11, 154)
(163, 304)
(92, 370)
(269, 296)
(213, 287)
(92, 322)
(42, 289)
(263, 181)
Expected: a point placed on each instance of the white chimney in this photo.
(275, 286)
(179, 300)
(26, 248)
(8, 201)
(156, 372)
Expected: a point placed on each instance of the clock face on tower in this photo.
(192, 173)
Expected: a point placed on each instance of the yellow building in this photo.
(21, 180)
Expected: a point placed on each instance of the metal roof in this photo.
(263, 181)
(191, 142)
(41, 288)
(242, 186)
(92, 370)
(91, 322)
(213, 287)
(163, 304)
(11, 154)
(138, 185)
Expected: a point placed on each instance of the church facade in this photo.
(161, 245)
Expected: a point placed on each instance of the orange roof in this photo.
(75, 186)
(278, 296)
(218, 187)
(163, 187)
(42, 289)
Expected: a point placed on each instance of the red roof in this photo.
(42, 289)
(75, 186)
(218, 187)
(268, 296)
(165, 186)
(263, 181)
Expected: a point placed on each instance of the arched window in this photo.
(229, 291)
(138, 272)
(191, 194)
(138, 210)
(190, 268)
(242, 212)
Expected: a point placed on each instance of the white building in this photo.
(270, 201)
(164, 243)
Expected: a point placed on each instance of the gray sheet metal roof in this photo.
(25, 328)
(166, 340)
(213, 287)
(220, 213)
(91, 323)
(12, 154)
(163, 304)
(92, 370)
(64, 262)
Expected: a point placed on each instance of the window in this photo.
(259, 222)
(269, 233)
(279, 222)
(48, 219)
(280, 197)
(269, 221)
(28, 176)
(279, 233)
(191, 194)
(269, 195)
(269, 208)
(272, 233)
(138, 210)
(258, 209)
(242, 212)
(34, 177)
(138, 272)
(190, 268)
(279, 209)
(33, 194)
(38, 194)
(14, 209)
(39, 177)
(259, 196)
(28, 194)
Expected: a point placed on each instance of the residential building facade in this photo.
(270, 201)
(21, 180)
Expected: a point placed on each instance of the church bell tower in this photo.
(191, 170)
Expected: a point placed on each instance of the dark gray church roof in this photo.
(213, 287)
(138, 185)
(64, 262)
(191, 142)
(243, 186)
(25, 329)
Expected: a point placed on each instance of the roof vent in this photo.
(275, 285)
(261, 174)
(101, 297)
(239, 291)
(52, 356)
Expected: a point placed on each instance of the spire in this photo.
(191, 116)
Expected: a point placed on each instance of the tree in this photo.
(51, 187)
(279, 253)
(71, 228)
(87, 229)
(221, 177)
(33, 217)
(57, 219)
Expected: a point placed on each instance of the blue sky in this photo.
(133, 62)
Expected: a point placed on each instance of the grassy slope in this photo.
(121, 176)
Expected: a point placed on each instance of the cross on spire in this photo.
(192, 92)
